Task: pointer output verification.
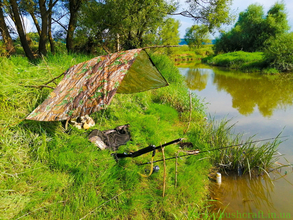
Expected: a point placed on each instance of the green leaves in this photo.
(253, 29)
(197, 35)
(279, 52)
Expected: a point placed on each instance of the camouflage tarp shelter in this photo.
(90, 86)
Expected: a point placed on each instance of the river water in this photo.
(260, 106)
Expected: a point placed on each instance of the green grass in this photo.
(187, 54)
(244, 61)
(46, 173)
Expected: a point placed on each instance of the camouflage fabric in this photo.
(90, 86)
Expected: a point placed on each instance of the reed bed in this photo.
(237, 154)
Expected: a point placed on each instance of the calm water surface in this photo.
(261, 106)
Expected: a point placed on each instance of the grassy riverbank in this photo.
(185, 54)
(244, 61)
(46, 173)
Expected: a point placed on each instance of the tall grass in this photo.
(239, 155)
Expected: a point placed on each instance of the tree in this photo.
(16, 18)
(45, 11)
(253, 29)
(279, 52)
(4, 31)
(212, 13)
(167, 33)
(74, 6)
(197, 35)
(103, 21)
(276, 20)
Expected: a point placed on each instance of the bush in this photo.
(279, 52)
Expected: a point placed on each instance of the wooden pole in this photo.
(190, 111)
(164, 184)
(176, 171)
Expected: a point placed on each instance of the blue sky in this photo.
(237, 7)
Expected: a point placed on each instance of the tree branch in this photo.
(59, 24)
(187, 14)
(161, 46)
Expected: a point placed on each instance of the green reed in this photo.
(247, 155)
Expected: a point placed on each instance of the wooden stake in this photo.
(190, 110)
(176, 172)
(164, 184)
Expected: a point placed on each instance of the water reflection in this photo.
(248, 92)
(197, 79)
(260, 106)
(245, 195)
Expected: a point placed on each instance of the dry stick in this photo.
(66, 124)
(46, 84)
(100, 206)
(164, 184)
(54, 79)
(41, 86)
(190, 110)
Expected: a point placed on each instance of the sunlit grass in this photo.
(46, 173)
(245, 61)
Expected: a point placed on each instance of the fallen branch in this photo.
(53, 79)
(46, 84)
(41, 87)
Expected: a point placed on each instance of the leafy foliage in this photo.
(253, 29)
(128, 22)
(197, 35)
(279, 52)
(211, 13)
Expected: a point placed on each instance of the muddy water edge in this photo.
(257, 105)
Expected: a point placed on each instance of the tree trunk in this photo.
(5, 33)
(51, 40)
(36, 22)
(44, 30)
(20, 31)
(74, 6)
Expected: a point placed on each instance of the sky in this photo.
(237, 7)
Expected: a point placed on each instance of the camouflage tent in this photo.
(90, 86)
